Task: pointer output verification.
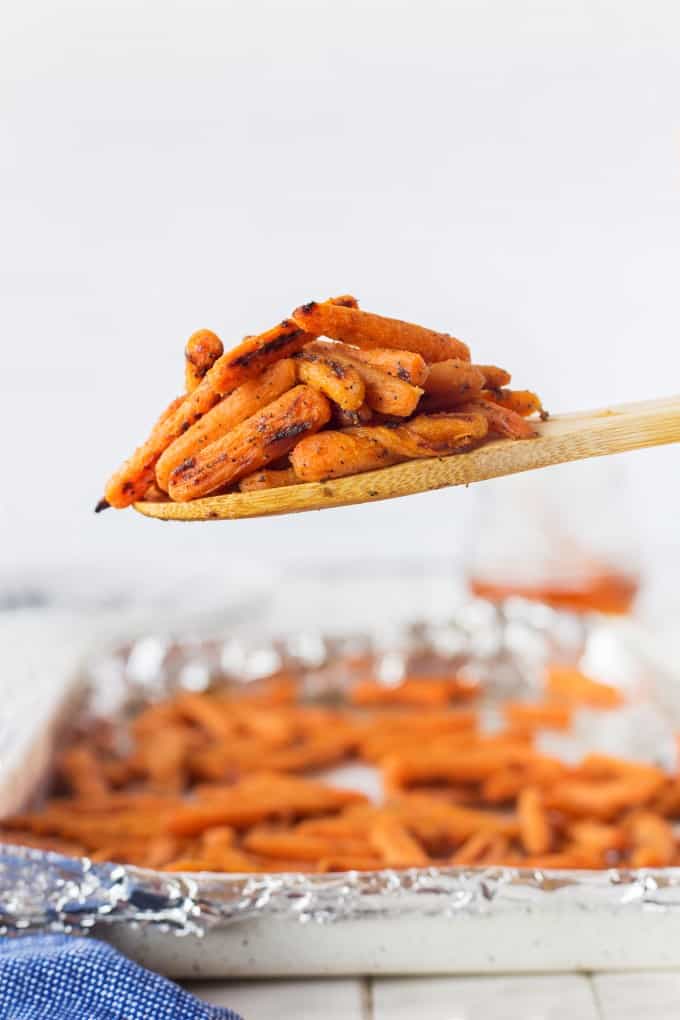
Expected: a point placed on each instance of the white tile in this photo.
(544, 997)
(286, 1000)
(632, 996)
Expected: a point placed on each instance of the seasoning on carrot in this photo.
(257, 441)
(243, 402)
(202, 350)
(364, 329)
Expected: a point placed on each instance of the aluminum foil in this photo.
(47, 892)
(504, 647)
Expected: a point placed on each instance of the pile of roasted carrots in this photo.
(224, 781)
(287, 407)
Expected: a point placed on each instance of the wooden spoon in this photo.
(560, 439)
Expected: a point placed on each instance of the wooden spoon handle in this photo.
(563, 438)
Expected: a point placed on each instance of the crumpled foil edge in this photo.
(42, 891)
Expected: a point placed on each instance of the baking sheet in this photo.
(463, 919)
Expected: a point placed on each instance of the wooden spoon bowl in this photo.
(563, 438)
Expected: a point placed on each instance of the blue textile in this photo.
(59, 977)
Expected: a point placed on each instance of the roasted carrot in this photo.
(653, 840)
(202, 350)
(667, 801)
(432, 820)
(245, 401)
(239, 755)
(481, 848)
(451, 382)
(138, 489)
(542, 715)
(378, 746)
(92, 830)
(208, 713)
(255, 354)
(234, 367)
(148, 852)
(503, 786)
(540, 770)
(466, 765)
(405, 365)
(597, 835)
(334, 454)
(601, 801)
(192, 819)
(421, 725)
(501, 421)
(268, 479)
(384, 737)
(301, 845)
(430, 435)
(263, 437)
(494, 377)
(355, 821)
(256, 799)
(390, 838)
(164, 762)
(160, 850)
(384, 393)
(227, 860)
(317, 752)
(424, 690)
(522, 402)
(215, 840)
(609, 766)
(572, 685)
(364, 329)
(346, 300)
(534, 826)
(338, 380)
(82, 771)
(154, 494)
(342, 419)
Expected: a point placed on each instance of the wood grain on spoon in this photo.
(563, 438)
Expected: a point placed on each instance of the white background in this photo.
(506, 171)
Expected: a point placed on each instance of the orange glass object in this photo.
(566, 537)
(605, 591)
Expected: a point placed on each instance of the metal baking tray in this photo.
(434, 920)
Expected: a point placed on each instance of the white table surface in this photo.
(602, 996)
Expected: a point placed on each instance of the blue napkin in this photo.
(59, 977)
